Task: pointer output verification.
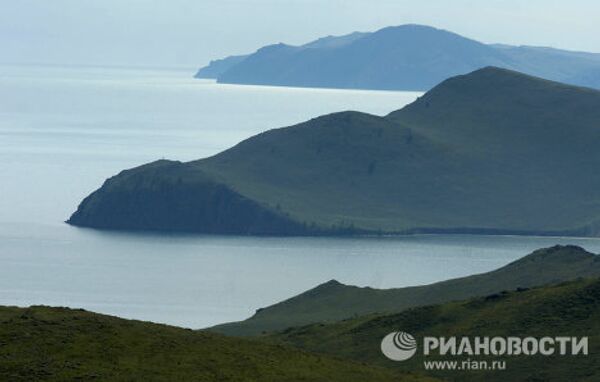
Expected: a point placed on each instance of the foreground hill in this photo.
(333, 301)
(571, 309)
(407, 57)
(494, 151)
(58, 344)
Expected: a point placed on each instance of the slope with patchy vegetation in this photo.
(59, 344)
(570, 309)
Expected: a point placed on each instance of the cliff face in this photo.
(169, 196)
(217, 67)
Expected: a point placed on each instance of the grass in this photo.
(569, 309)
(59, 344)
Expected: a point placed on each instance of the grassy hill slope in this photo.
(493, 151)
(59, 344)
(530, 144)
(570, 309)
(334, 301)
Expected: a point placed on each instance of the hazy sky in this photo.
(189, 33)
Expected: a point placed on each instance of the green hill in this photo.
(570, 309)
(493, 151)
(333, 301)
(59, 344)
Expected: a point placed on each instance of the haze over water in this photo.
(64, 130)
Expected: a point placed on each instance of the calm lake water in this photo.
(64, 130)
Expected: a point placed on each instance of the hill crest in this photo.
(333, 301)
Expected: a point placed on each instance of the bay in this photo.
(64, 130)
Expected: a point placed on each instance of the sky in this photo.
(189, 33)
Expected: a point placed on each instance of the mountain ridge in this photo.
(404, 57)
(486, 152)
(333, 301)
(565, 309)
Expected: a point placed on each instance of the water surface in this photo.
(64, 130)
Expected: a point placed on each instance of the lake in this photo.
(64, 130)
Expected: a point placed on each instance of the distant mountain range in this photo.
(334, 301)
(493, 151)
(407, 57)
